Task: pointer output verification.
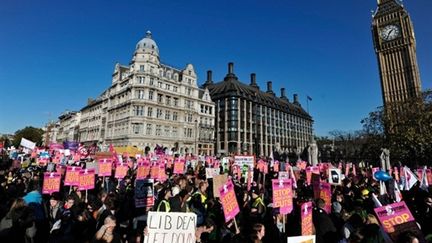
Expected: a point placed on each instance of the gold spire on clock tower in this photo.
(395, 47)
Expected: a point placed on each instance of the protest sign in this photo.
(306, 218)
(335, 176)
(282, 195)
(51, 182)
(283, 175)
(211, 172)
(144, 193)
(143, 170)
(218, 181)
(179, 166)
(121, 170)
(302, 239)
(397, 219)
(93, 166)
(242, 161)
(105, 167)
(325, 194)
(392, 215)
(27, 143)
(162, 175)
(71, 145)
(86, 179)
(72, 176)
(171, 227)
(229, 201)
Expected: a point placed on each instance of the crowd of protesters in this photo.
(108, 213)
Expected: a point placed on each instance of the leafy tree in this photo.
(31, 133)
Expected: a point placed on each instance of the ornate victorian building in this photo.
(255, 121)
(150, 103)
(395, 47)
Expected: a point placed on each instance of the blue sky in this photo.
(56, 54)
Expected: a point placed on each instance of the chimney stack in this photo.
(253, 79)
(283, 93)
(209, 76)
(296, 98)
(230, 68)
(269, 87)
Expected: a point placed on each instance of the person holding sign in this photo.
(164, 204)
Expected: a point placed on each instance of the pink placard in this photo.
(86, 179)
(325, 194)
(179, 166)
(306, 218)
(229, 201)
(121, 171)
(72, 176)
(282, 195)
(392, 215)
(162, 175)
(105, 167)
(51, 182)
(143, 170)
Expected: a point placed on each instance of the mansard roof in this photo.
(232, 87)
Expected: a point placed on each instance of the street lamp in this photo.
(196, 135)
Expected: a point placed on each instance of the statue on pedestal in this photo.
(313, 153)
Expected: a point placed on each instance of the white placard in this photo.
(302, 239)
(27, 143)
(171, 227)
(283, 175)
(67, 152)
(211, 172)
(244, 160)
(335, 176)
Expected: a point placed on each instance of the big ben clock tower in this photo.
(395, 46)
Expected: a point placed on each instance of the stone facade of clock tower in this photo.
(395, 46)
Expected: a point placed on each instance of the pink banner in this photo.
(392, 215)
(121, 171)
(87, 179)
(51, 182)
(105, 167)
(282, 195)
(229, 201)
(72, 176)
(306, 218)
(325, 194)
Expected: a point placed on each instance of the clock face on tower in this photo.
(390, 32)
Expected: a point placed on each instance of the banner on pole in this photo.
(72, 176)
(229, 201)
(51, 182)
(87, 179)
(282, 195)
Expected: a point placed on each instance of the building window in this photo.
(141, 80)
(151, 94)
(189, 117)
(167, 131)
(160, 85)
(158, 130)
(149, 129)
(150, 112)
(158, 113)
(140, 94)
(159, 99)
(167, 115)
(168, 100)
(167, 87)
(136, 128)
(139, 110)
(174, 132)
(202, 108)
(175, 88)
(141, 68)
(151, 81)
(189, 91)
(175, 114)
(176, 102)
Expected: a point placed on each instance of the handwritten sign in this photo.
(242, 161)
(282, 195)
(229, 201)
(171, 227)
(105, 167)
(72, 176)
(325, 194)
(51, 182)
(143, 170)
(306, 218)
(121, 171)
(86, 179)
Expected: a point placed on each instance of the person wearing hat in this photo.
(164, 204)
(258, 208)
